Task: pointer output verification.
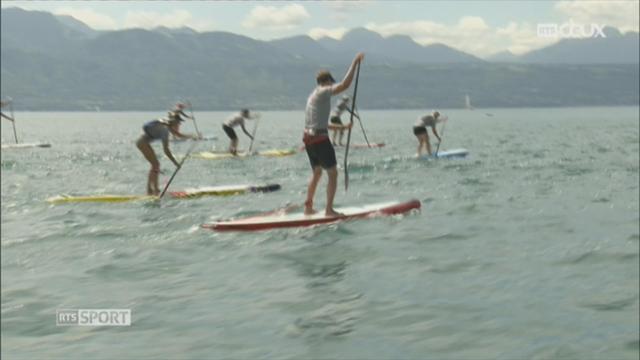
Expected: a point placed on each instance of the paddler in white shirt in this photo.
(420, 130)
(234, 121)
(316, 136)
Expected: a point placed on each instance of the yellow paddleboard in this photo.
(208, 155)
(191, 193)
(61, 199)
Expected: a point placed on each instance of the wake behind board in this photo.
(290, 220)
(190, 193)
(25, 145)
(456, 153)
(209, 155)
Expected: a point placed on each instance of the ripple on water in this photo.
(598, 257)
(612, 305)
(333, 319)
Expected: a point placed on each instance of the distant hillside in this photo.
(58, 63)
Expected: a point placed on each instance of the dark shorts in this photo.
(230, 132)
(419, 130)
(336, 120)
(321, 154)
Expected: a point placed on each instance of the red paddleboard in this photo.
(274, 220)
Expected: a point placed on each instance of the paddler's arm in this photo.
(165, 147)
(180, 135)
(246, 132)
(351, 112)
(185, 115)
(435, 132)
(346, 82)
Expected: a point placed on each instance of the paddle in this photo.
(346, 151)
(193, 117)
(253, 135)
(176, 170)
(362, 127)
(444, 118)
(13, 120)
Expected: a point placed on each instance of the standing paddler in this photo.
(234, 121)
(316, 136)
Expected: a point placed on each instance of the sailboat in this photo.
(12, 118)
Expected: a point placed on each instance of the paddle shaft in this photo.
(193, 117)
(441, 136)
(253, 136)
(362, 127)
(176, 170)
(13, 121)
(346, 151)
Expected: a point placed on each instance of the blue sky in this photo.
(478, 27)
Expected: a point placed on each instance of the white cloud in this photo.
(522, 37)
(470, 34)
(620, 14)
(174, 19)
(336, 33)
(273, 18)
(91, 18)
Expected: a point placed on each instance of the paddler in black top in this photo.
(420, 130)
(158, 130)
(336, 123)
(316, 136)
(177, 113)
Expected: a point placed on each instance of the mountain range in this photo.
(51, 62)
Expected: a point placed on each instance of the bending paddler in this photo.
(316, 136)
(234, 121)
(158, 130)
(420, 130)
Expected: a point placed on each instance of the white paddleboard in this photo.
(443, 154)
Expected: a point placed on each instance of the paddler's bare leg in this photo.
(341, 135)
(426, 137)
(150, 155)
(420, 144)
(234, 146)
(153, 180)
(332, 186)
(311, 190)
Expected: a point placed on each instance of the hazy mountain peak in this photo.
(361, 34)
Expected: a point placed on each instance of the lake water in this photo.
(526, 249)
